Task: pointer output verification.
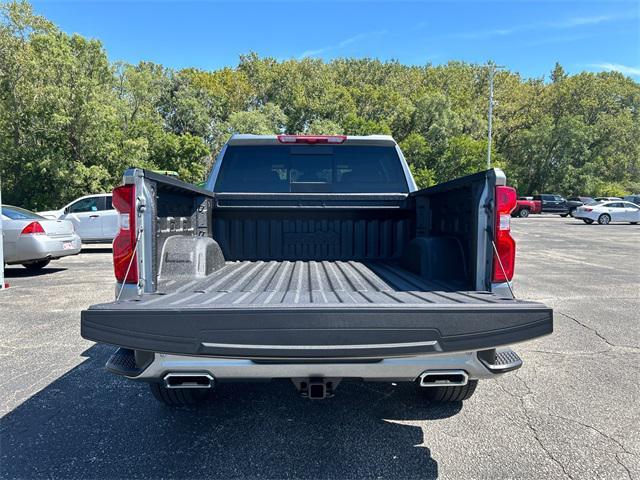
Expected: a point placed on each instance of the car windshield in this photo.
(17, 213)
(311, 169)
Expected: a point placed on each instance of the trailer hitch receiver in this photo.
(316, 388)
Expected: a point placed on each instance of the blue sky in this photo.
(528, 37)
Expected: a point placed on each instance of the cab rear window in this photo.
(311, 169)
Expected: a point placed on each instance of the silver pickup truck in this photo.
(316, 259)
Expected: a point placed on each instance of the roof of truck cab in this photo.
(246, 139)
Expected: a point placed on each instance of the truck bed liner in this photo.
(281, 283)
(323, 309)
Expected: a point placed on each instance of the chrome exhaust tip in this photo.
(188, 380)
(443, 378)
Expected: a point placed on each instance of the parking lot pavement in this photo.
(571, 411)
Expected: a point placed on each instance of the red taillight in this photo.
(311, 138)
(505, 259)
(34, 228)
(588, 209)
(124, 255)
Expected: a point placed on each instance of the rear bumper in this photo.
(390, 369)
(39, 247)
(319, 333)
(588, 215)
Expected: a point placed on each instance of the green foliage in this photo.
(71, 121)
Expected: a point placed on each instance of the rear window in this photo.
(17, 213)
(311, 169)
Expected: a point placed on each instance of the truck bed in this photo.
(314, 309)
(315, 283)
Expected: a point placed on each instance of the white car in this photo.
(607, 212)
(607, 199)
(93, 217)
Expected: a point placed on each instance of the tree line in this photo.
(71, 121)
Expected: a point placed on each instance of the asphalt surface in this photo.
(573, 410)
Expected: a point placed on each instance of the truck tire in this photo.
(450, 394)
(524, 213)
(36, 266)
(604, 219)
(178, 397)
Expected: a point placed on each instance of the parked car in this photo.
(93, 217)
(313, 258)
(526, 206)
(33, 241)
(575, 202)
(633, 198)
(607, 212)
(553, 203)
(583, 200)
(607, 199)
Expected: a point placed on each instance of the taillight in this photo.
(34, 228)
(505, 258)
(125, 264)
(586, 209)
(311, 138)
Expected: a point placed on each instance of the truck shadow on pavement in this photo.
(90, 424)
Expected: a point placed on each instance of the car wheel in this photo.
(634, 223)
(178, 397)
(588, 221)
(450, 394)
(572, 212)
(524, 213)
(36, 266)
(564, 215)
(604, 219)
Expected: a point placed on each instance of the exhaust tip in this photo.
(188, 380)
(439, 378)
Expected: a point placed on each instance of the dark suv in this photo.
(552, 203)
(633, 198)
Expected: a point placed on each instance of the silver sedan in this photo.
(33, 241)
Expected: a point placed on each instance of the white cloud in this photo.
(567, 23)
(342, 44)
(617, 67)
(581, 21)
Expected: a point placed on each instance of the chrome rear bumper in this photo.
(390, 369)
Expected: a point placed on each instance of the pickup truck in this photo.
(314, 259)
(557, 204)
(525, 206)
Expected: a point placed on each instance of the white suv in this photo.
(93, 216)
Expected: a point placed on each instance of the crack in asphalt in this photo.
(603, 434)
(597, 333)
(530, 425)
(525, 410)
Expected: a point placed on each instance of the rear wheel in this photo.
(36, 266)
(178, 397)
(572, 212)
(604, 219)
(524, 213)
(634, 223)
(563, 215)
(588, 221)
(450, 394)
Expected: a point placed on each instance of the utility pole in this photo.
(492, 71)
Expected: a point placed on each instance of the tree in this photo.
(71, 121)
